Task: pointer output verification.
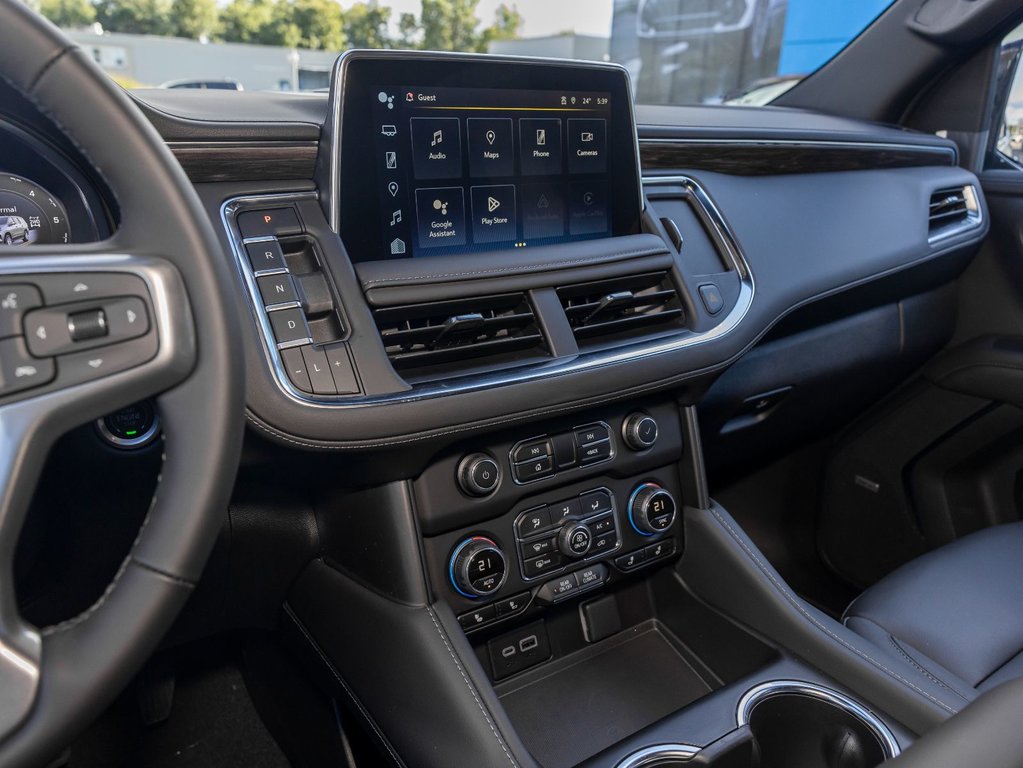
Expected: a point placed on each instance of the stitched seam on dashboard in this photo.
(345, 687)
(404, 279)
(794, 601)
(472, 690)
(923, 670)
(128, 560)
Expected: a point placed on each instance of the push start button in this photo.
(132, 427)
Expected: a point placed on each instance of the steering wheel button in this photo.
(265, 255)
(15, 301)
(47, 333)
(19, 370)
(84, 286)
(289, 326)
(88, 325)
(294, 364)
(127, 318)
(95, 363)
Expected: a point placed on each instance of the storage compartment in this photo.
(671, 652)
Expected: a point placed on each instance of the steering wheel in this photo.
(166, 273)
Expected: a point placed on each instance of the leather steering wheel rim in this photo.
(55, 680)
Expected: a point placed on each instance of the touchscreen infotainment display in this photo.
(455, 168)
(462, 170)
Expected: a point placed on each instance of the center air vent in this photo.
(950, 208)
(485, 330)
(622, 307)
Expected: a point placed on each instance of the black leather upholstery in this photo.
(986, 733)
(955, 614)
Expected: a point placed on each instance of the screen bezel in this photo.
(358, 75)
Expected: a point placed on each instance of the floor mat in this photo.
(213, 725)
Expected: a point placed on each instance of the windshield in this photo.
(677, 51)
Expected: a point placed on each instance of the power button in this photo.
(478, 474)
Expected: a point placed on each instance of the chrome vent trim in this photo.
(952, 211)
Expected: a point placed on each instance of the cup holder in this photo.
(787, 724)
(795, 723)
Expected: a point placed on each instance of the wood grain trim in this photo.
(246, 161)
(768, 158)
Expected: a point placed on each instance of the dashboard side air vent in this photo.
(622, 307)
(952, 210)
(460, 333)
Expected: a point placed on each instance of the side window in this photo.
(1006, 147)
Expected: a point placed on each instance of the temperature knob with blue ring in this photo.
(651, 509)
(478, 567)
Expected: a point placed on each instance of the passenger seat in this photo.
(955, 614)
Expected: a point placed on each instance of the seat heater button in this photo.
(512, 605)
(478, 617)
(631, 560)
(660, 549)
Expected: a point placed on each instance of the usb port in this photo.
(528, 643)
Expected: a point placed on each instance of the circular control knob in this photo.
(478, 474)
(575, 539)
(639, 431)
(478, 567)
(651, 509)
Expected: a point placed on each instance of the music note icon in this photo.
(395, 217)
(438, 137)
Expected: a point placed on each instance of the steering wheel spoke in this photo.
(82, 332)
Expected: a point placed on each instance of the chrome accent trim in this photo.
(974, 218)
(281, 305)
(130, 442)
(650, 756)
(337, 102)
(830, 143)
(764, 691)
(558, 367)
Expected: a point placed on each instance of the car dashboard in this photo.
(496, 337)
